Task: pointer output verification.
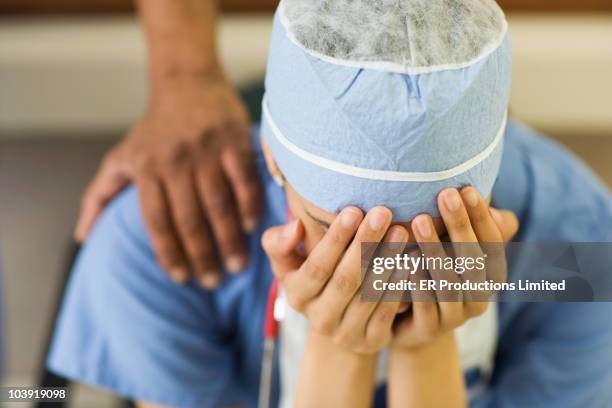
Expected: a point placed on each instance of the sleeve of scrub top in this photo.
(126, 327)
(561, 359)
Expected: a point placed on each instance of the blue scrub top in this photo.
(125, 327)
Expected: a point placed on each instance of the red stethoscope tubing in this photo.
(270, 329)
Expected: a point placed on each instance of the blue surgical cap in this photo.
(387, 102)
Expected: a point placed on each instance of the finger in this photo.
(507, 222)
(482, 222)
(241, 169)
(314, 273)
(428, 303)
(280, 245)
(464, 240)
(109, 181)
(455, 216)
(355, 319)
(379, 328)
(395, 242)
(189, 223)
(451, 315)
(423, 326)
(423, 322)
(433, 250)
(157, 218)
(222, 216)
(491, 242)
(346, 278)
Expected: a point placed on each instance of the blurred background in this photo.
(73, 79)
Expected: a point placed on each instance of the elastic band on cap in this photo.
(383, 175)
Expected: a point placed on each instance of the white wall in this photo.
(69, 76)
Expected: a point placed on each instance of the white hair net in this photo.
(403, 35)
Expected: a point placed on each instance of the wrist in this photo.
(437, 347)
(165, 78)
(181, 38)
(331, 375)
(325, 346)
(417, 374)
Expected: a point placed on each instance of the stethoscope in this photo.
(274, 313)
(275, 310)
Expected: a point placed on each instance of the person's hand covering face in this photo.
(324, 285)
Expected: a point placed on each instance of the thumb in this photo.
(507, 222)
(280, 244)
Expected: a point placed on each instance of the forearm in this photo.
(334, 377)
(429, 376)
(181, 39)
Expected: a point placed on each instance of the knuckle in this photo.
(190, 225)
(218, 207)
(479, 216)
(158, 223)
(322, 324)
(345, 283)
(386, 315)
(202, 137)
(335, 237)
(315, 271)
(343, 338)
(175, 153)
(460, 223)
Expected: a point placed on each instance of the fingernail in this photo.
(249, 224)
(178, 275)
(422, 224)
(210, 280)
(235, 263)
(452, 200)
(349, 218)
(289, 229)
(496, 216)
(377, 219)
(398, 234)
(471, 197)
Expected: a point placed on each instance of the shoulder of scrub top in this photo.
(551, 353)
(556, 195)
(119, 245)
